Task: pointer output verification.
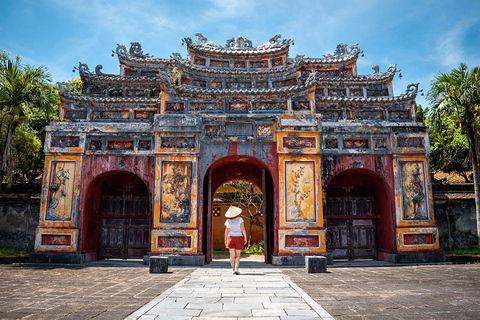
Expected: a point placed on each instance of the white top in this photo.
(234, 226)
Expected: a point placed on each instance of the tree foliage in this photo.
(28, 102)
(455, 102)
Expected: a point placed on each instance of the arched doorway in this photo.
(238, 168)
(118, 216)
(249, 198)
(359, 215)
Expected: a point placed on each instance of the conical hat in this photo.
(233, 211)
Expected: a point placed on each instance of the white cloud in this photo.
(450, 48)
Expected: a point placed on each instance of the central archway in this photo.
(238, 168)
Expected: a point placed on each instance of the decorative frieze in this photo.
(331, 143)
(399, 115)
(65, 141)
(219, 64)
(278, 62)
(238, 106)
(176, 106)
(262, 64)
(143, 115)
(110, 115)
(199, 61)
(174, 242)
(70, 114)
(206, 106)
(144, 145)
(119, 145)
(418, 239)
(302, 241)
(380, 143)
(264, 131)
(239, 64)
(269, 106)
(212, 131)
(364, 114)
(410, 142)
(301, 106)
(177, 142)
(56, 240)
(299, 142)
(355, 143)
(239, 129)
(95, 145)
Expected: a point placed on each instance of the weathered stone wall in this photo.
(18, 221)
(454, 207)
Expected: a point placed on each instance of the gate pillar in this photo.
(300, 225)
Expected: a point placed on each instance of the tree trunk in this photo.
(7, 161)
(471, 133)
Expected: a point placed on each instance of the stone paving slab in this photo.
(105, 291)
(236, 300)
(80, 292)
(406, 292)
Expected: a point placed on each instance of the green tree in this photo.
(457, 95)
(21, 87)
(449, 148)
(28, 144)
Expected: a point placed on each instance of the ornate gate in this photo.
(351, 223)
(124, 222)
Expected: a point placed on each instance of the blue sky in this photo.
(422, 37)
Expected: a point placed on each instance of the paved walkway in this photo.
(111, 291)
(213, 292)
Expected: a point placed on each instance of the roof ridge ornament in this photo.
(412, 88)
(376, 70)
(82, 68)
(135, 50)
(341, 50)
(97, 70)
(239, 43)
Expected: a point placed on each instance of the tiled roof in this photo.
(90, 99)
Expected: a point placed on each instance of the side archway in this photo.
(359, 215)
(117, 216)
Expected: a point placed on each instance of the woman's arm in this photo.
(242, 227)
(227, 230)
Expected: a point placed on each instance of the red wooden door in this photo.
(351, 221)
(124, 222)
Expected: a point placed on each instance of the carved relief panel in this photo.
(175, 192)
(300, 199)
(413, 194)
(60, 190)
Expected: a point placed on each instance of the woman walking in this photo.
(234, 231)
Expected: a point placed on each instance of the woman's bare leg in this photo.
(237, 258)
(232, 258)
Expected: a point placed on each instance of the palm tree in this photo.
(21, 86)
(457, 95)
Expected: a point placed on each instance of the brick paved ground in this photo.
(80, 293)
(412, 292)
